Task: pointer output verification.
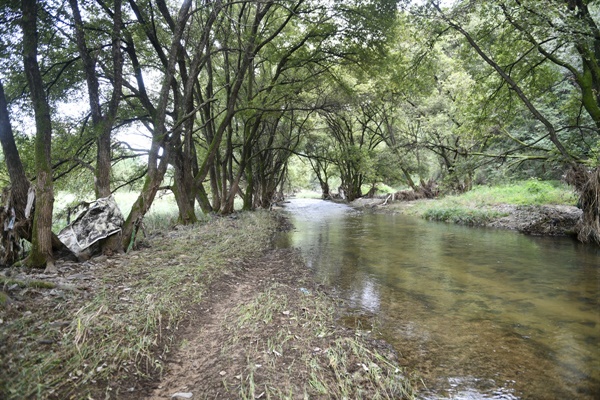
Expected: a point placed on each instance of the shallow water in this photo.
(479, 313)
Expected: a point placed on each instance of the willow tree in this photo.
(41, 244)
(545, 55)
(157, 165)
(102, 121)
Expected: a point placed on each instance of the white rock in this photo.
(182, 395)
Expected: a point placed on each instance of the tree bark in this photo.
(41, 245)
(18, 180)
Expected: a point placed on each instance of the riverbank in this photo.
(551, 220)
(209, 311)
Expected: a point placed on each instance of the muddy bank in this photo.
(551, 220)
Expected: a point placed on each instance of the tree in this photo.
(19, 182)
(319, 151)
(18, 224)
(551, 36)
(102, 122)
(157, 166)
(41, 244)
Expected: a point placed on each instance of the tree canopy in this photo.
(229, 93)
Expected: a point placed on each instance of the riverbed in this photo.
(478, 313)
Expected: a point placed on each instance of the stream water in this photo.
(478, 313)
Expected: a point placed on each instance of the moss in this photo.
(23, 284)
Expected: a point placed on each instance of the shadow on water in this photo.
(480, 313)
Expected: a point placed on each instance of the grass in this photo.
(529, 192)
(126, 327)
(476, 207)
(298, 351)
(462, 215)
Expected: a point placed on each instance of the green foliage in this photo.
(530, 192)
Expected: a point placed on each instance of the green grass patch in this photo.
(476, 207)
(461, 215)
(529, 192)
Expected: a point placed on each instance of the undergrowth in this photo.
(529, 192)
(71, 343)
(462, 215)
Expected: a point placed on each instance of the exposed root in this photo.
(587, 184)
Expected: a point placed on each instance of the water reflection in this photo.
(481, 313)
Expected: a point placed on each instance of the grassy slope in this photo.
(477, 207)
(130, 317)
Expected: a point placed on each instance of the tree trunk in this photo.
(183, 190)
(18, 180)
(325, 191)
(15, 198)
(202, 199)
(19, 183)
(101, 124)
(156, 167)
(41, 245)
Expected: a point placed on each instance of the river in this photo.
(478, 313)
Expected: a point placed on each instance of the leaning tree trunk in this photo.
(16, 172)
(12, 211)
(41, 245)
(156, 168)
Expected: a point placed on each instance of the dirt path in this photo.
(201, 366)
(266, 330)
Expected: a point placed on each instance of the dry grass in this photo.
(69, 343)
(293, 348)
